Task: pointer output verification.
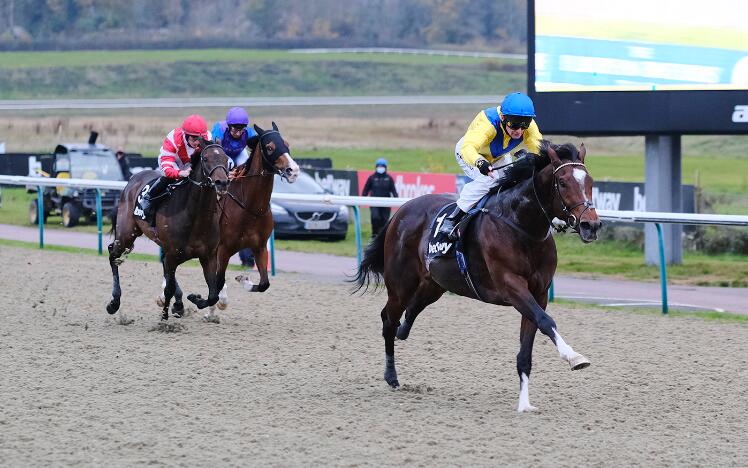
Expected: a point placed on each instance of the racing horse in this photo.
(246, 219)
(509, 247)
(185, 226)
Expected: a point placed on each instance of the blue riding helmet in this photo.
(381, 162)
(518, 104)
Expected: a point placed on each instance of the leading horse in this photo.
(186, 226)
(510, 251)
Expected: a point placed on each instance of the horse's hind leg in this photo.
(391, 314)
(170, 287)
(124, 238)
(427, 293)
(524, 363)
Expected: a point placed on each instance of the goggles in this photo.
(516, 123)
(237, 127)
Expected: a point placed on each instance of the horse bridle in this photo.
(266, 162)
(208, 182)
(571, 219)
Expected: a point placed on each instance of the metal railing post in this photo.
(98, 218)
(40, 214)
(357, 222)
(663, 269)
(272, 252)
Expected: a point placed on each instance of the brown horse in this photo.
(246, 219)
(510, 251)
(186, 226)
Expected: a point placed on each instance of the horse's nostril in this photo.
(289, 170)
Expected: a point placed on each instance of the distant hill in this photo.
(495, 25)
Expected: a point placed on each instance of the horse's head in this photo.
(210, 166)
(275, 152)
(573, 185)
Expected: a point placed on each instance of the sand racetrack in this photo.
(293, 377)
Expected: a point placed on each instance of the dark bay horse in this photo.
(186, 226)
(510, 251)
(246, 219)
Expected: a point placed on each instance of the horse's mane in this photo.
(567, 152)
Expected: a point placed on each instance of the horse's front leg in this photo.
(177, 309)
(209, 263)
(261, 260)
(532, 311)
(223, 297)
(170, 287)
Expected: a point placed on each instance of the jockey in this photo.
(174, 158)
(492, 134)
(233, 134)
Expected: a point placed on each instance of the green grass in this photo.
(702, 315)
(84, 58)
(110, 74)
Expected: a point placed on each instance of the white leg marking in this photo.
(161, 301)
(245, 281)
(575, 360)
(564, 350)
(223, 297)
(524, 395)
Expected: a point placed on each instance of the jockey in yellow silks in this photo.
(492, 134)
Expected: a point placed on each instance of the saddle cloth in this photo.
(439, 244)
(138, 210)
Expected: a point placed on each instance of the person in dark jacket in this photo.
(123, 164)
(379, 184)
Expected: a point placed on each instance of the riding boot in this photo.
(146, 202)
(449, 223)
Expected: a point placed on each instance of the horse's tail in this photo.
(372, 265)
(113, 216)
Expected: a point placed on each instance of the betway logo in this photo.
(606, 200)
(740, 114)
(439, 247)
(336, 186)
(412, 190)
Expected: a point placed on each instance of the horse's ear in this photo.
(258, 129)
(275, 127)
(253, 140)
(582, 152)
(555, 160)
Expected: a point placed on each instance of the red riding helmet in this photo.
(195, 125)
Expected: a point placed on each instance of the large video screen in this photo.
(657, 59)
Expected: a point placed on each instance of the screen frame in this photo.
(618, 113)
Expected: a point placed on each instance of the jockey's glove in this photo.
(483, 166)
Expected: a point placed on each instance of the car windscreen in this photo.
(304, 184)
(101, 165)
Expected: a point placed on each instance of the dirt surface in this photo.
(293, 377)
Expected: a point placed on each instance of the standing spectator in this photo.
(379, 184)
(123, 164)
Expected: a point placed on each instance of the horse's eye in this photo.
(562, 183)
(204, 159)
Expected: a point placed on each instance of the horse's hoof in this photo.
(177, 312)
(526, 408)
(579, 362)
(222, 304)
(194, 298)
(402, 333)
(160, 301)
(394, 384)
(112, 308)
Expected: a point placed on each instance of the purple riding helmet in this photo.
(237, 116)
